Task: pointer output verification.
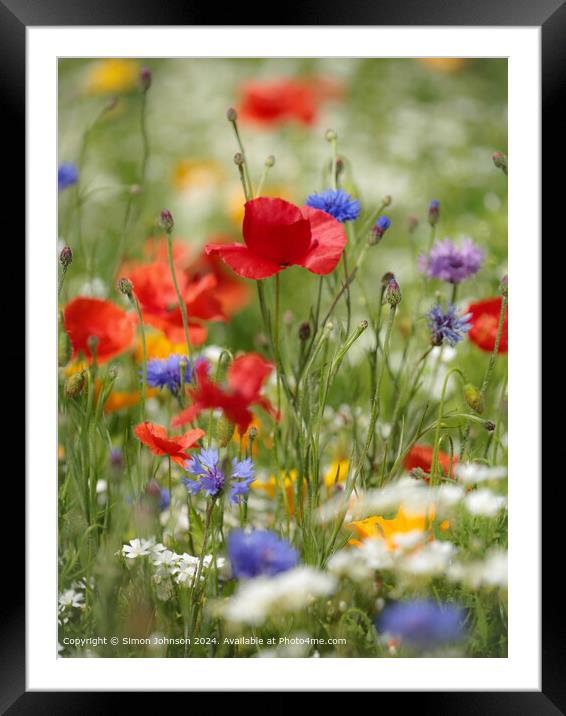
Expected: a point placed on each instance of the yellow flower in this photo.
(112, 76)
(75, 367)
(336, 473)
(269, 487)
(378, 527)
(189, 174)
(158, 346)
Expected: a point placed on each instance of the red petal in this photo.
(242, 261)
(248, 373)
(485, 320)
(328, 241)
(114, 328)
(186, 416)
(276, 230)
(187, 440)
(420, 456)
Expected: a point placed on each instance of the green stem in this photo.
(144, 356)
(181, 301)
(436, 449)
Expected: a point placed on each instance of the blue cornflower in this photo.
(337, 203)
(211, 478)
(422, 623)
(67, 175)
(166, 372)
(259, 552)
(381, 226)
(447, 326)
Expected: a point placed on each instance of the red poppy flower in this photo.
(278, 234)
(275, 102)
(485, 320)
(231, 292)
(155, 437)
(85, 317)
(420, 456)
(246, 377)
(157, 297)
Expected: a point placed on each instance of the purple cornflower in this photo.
(422, 623)
(211, 478)
(166, 372)
(381, 226)
(67, 175)
(260, 552)
(451, 263)
(446, 326)
(337, 203)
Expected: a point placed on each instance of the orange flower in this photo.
(289, 482)
(156, 294)
(378, 527)
(85, 317)
(155, 437)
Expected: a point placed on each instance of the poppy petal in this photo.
(276, 230)
(248, 373)
(242, 261)
(85, 317)
(328, 241)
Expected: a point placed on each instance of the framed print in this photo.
(279, 403)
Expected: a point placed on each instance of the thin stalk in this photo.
(181, 301)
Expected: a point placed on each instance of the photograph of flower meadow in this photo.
(282, 351)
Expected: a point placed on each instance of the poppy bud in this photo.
(75, 384)
(412, 223)
(224, 431)
(252, 433)
(330, 135)
(145, 78)
(504, 287)
(92, 344)
(239, 159)
(500, 161)
(64, 347)
(125, 287)
(167, 220)
(270, 161)
(387, 199)
(304, 331)
(231, 114)
(66, 257)
(393, 293)
(489, 425)
(473, 398)
(433, 212)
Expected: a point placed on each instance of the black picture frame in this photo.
(15, 16)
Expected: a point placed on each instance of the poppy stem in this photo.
(136, 305)
(182, 305)
(434, 478)
(495, 351)
(170, 493)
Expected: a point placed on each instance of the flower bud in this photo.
(167, 221)
(330, 135)
(231, 114)
(75, 384)
(145, 79)
(387, 199)
(473, 398)
(489, 425)
(239, 159)
(393, 293)
(304, 331)
(504, 287)
(224, 430)
(270, 161)
(412, 223)
(433, 212)
(66, 257)
(380, 227)
(125, 287)
(500, 161)
(387, 276)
